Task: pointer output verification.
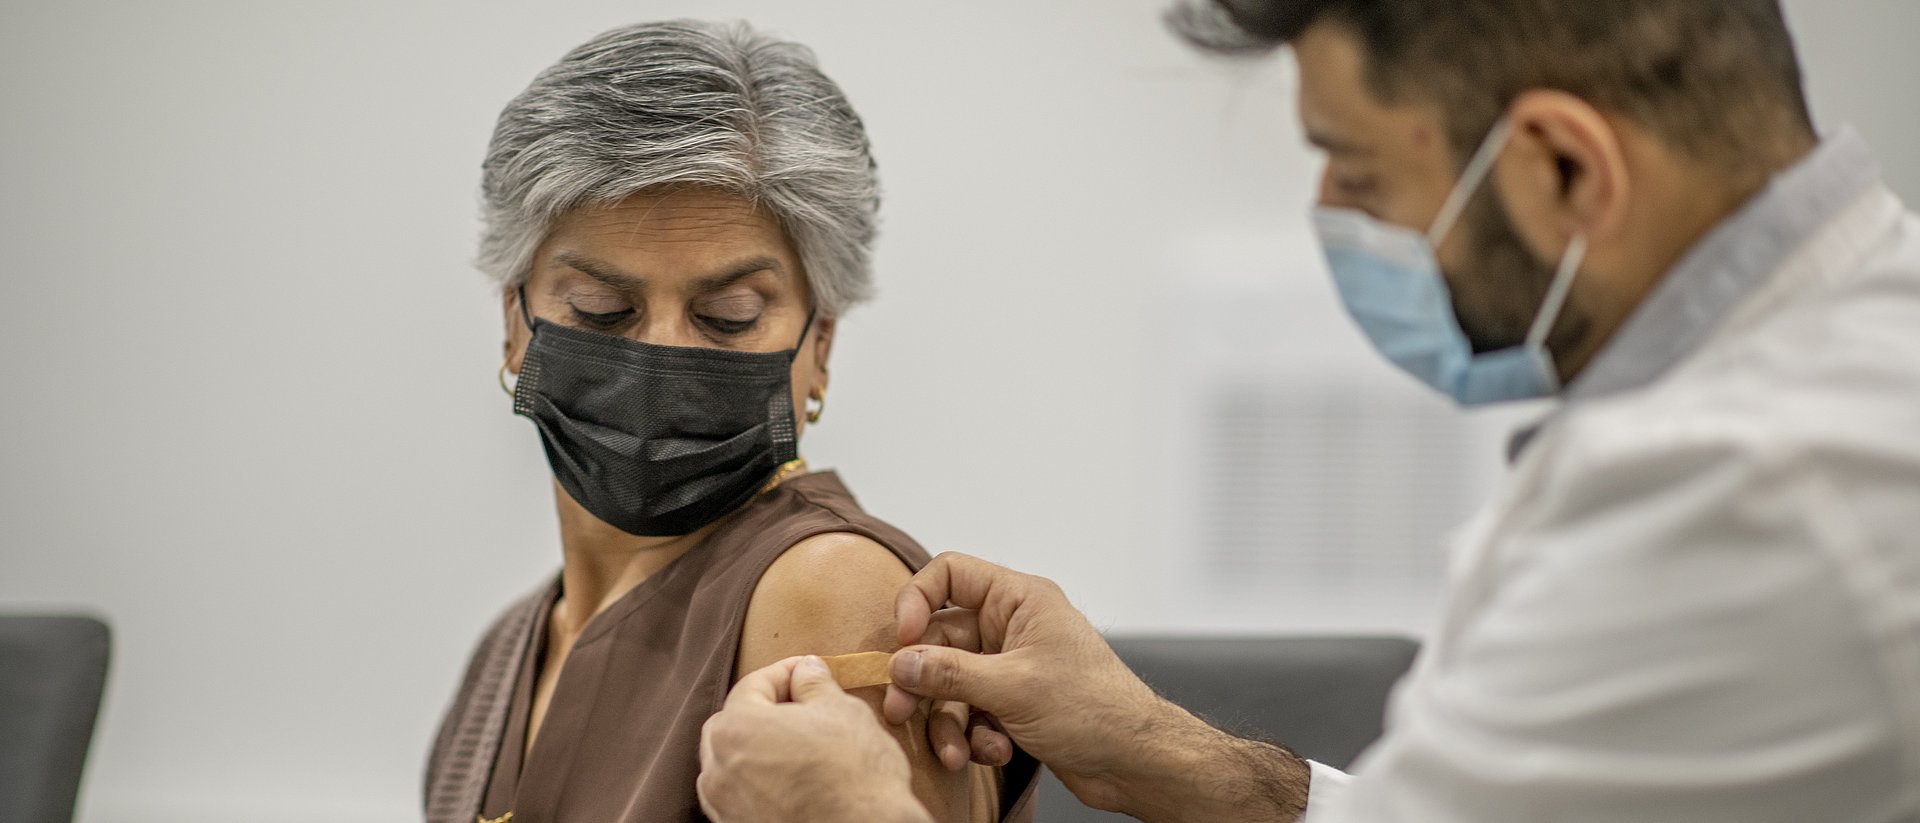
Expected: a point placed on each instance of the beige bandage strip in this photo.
(855, 671)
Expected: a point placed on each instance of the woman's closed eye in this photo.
(603, 321)
(730, 315)
(727, 327)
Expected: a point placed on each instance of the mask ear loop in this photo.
(512, 390)
(798, 464)
(525, 316)
(1470, 179)
(1557, 293)
(795, 353)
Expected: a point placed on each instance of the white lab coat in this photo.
(1695, 600)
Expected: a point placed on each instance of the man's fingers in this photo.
(719, 725)
(980, 680)
(812, 680)
(955, 628)
(959, 579)
(910, 614)
(947, 731)
(953, 578)
(899, 705)
(988, 744)
(772, 684)
(707, 760)
(702, 788)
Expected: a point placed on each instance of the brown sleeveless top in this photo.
(620, 740)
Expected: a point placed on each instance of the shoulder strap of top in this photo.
(463, 754)
(826, 493)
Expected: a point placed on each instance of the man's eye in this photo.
(602, 320)
(725, 326)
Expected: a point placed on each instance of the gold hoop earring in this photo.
(503, 378)
(819, 405)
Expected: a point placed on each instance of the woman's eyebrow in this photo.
(600, 270)
(738, 271)
(619, 278)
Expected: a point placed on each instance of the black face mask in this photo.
(656, 440)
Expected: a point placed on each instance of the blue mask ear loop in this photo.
(1468, 185)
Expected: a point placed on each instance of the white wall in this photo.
(249, 376)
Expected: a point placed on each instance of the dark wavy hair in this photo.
(1716, 79)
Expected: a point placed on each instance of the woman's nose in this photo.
(663, 329)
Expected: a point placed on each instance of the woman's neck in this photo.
(601, 563)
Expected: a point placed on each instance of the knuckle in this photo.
(1025, 676)
(847, 706)
(709, 788)
(721, 730)
(945, 678)
(935, 635)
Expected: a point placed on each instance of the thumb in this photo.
(812, 680)
(980, 680)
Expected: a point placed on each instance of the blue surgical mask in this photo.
(1389, 278)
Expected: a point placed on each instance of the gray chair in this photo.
(52, 671)
(1323, 697)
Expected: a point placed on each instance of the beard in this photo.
(1498, 296)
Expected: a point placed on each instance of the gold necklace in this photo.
(786, 470)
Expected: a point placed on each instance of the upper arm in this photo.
(1665, 636)
(834, 594)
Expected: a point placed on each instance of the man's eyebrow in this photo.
(616, 277)
(1334, 145)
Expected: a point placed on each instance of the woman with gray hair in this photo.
(676, 215)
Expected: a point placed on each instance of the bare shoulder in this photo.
(833, 594)
(829, 594)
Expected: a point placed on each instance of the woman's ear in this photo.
(1563, 173)
(822, 346)
(517, 333)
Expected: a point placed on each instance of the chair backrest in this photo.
(1324, 697)
(52, 671)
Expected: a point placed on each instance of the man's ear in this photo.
(517, 333)
(1563, 173)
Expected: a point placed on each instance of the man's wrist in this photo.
(1192, 771)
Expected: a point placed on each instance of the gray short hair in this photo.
(682, 104)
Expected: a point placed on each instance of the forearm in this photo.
(1190, 771)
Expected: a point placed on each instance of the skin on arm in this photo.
(834, 594)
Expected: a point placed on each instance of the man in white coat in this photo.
(1695, 599)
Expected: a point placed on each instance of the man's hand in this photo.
(790, 745)
(1012, 646)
